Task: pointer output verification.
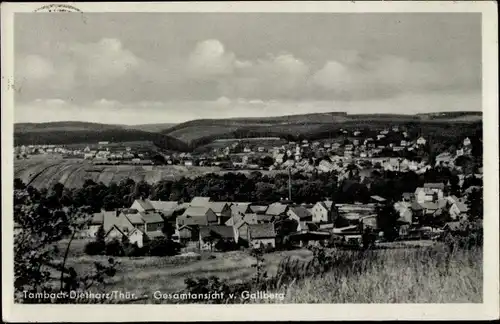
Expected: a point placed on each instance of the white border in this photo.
(79, 313)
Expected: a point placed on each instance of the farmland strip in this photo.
(39, 173)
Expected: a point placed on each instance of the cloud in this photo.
(210, 59)
(209, 71)
(34, 67)
(104, 60)
(358, 76)
(75, 65)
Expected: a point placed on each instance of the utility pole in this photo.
(289, 184)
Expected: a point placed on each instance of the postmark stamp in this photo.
(57, 8)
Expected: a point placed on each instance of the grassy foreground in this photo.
(396, 276)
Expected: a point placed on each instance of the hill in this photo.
(308, 126)
(153, 128)
(61, 126)
(81, 132)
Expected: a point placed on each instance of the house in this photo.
(187, 233)
(277, 209)
(210, 235)
(403, 143)
(259, 209)
(262, 235)
(428, 193)
(443, 159)
(307, 226)
(458, 210)
(222, 210)
(421, 141)
(152, 221)
(452, 227)
(323, 212)
(200, 201)
(467, 141)
(408, 196)
(325, 166)
(114, 233)
(434, 208)
(108, 220)
(240, 209)
(197, 216)
(136, 236)
(299, 213)
(142, 205)
(369, 222)
(404, 209)
(377, 199)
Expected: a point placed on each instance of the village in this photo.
(202, 224)
(391, 149)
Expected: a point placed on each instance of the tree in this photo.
(36, 246)
(475, 204)
(19, 184)
(168, 229)
(387, 220)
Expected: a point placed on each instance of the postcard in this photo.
(230, 161)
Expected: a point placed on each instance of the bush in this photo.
(133, 250)
(114, 248)
(161, 246)
(94, 248)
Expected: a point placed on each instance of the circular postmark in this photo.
(58, 8)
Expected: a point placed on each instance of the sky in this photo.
(137, 68)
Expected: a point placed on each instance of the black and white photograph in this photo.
(244, 157)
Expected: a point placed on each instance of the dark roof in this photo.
(416, 206)
(408, 195)
(239, 208)
(301, 212)
(265, 230)
(217, 231)
(192, 220)
(151, 217)
(439, 185)
(452, 226)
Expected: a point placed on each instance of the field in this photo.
(411, 275)
(167, 274)
(44, 172)
(397, 276)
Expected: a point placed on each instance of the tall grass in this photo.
(427, 275)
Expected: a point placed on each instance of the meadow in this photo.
(385, 275)
(396, 276)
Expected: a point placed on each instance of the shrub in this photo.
(114, 248)
(94, 248)
(161, 246)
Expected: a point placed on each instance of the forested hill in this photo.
(79, 132)
(311, 126)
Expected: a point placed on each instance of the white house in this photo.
(467, 141)
(421, 141)
(323, 212)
